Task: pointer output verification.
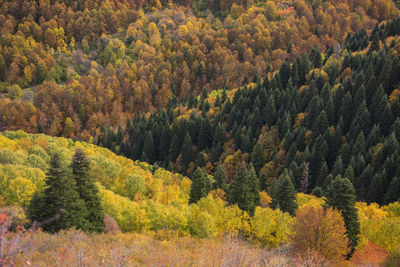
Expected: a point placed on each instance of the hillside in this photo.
(207, 132)
(98, 62)
(320, 116)
(154, 202)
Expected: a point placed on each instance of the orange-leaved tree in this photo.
(320, 231)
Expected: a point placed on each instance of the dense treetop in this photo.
(84, 63)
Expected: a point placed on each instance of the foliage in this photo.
(88, 191)
(321, 230)
(60, 200)
(341, 196)
(162, 208)
(90, 63)
(284, 195)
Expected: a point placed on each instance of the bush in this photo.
(110, 225)
(393, 259)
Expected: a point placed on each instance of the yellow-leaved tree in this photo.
(321, 231)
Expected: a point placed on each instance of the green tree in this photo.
(148, 147)
(244, 189)
(220, 179)
(135, 184)
(187, 154)
(200, 185)
(284, 195)
(88, 191)
(60, 202)
(257, 157)
(14, 91)
(341, 195)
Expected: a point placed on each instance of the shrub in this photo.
(110, 225)
(393, 259)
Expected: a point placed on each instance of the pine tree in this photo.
(318, 192)
(393, 191)
(220, 179)
(187, 154)
(263, 182)
(244, 189)
(201, 161)
(254, 190)
(375, 44)
(284, 195)
(218, 142)
(60, 201)
(377, 187)
(320, 124)
(257, 157)
(200, 185)
(148, 147)
(88, 191)
(341, 195)
(174, 148)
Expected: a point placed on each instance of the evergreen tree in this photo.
(220, 179)
(201, 161)
(200, 185)
(88, 191)
(244, 189)
(318, 192)
(257, 157)
(284, 195)
(320, 124)
(174, 148)
(341, 195)
(187, 154)
(393, 191)
(263, 182)
(377, 188)
(218, 142)
(59, 202)
(148, 148)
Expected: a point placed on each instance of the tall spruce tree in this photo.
(284, 195)
(220, 179)
(200, 185)
(148, 148)
(88, 191)
(257, 157)
(341, 195)
(244, 189)
(187, 154)
(60, 201)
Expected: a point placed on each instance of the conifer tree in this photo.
(88, 191)
(393, 190)
(200, 185)
(244, 189)
(284, 195)
(318, 192)
(148, 148)
(60, 201)
(174, 148)
(218, 142)
(341, 195)
(257, 157)
(220, 179)
(377, 187)
(263, 182)
(187, 152)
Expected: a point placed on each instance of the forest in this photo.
(254, 126)
(136, 197)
